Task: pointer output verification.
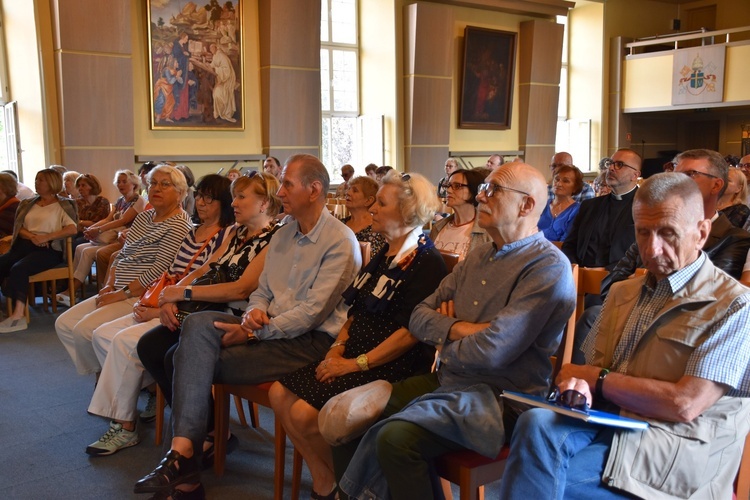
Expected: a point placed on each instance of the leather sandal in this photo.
(197, 494)
(207, 460)
(174, 469)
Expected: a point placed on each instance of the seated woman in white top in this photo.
(41, 223)
(459, 232)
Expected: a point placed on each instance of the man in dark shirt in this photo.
(603, 230)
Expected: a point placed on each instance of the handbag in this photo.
(214, 276)
(150, 297)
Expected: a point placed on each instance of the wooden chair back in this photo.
(589, 282)
(450, 258)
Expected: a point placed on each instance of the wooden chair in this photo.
(257, 394)
(62, 271)
(589, 282)
(450, 258)
(470, 470)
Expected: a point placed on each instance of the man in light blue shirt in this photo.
(291, 319)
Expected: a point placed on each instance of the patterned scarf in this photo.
(392, 279)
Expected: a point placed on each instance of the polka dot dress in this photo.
(366, 332)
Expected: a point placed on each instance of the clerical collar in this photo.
(620, 196)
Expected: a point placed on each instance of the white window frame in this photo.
(329, 46)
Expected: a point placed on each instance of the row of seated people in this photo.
(495, 320)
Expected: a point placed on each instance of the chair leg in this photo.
(221, 427)
(296, 474)
(279, 440)
(240, 410)
(53, 296)
(253, 408)
(160, 405)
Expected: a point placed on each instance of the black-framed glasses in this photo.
(569, 399)
(454, 185)
(617, 165)
(490, 188)
(744, 166)
(207, 198)
(555, 166)
(695, 173)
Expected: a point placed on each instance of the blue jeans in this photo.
(199, 361)
(554, 456)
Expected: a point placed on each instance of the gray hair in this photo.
(716, 164)
(175, 176)
(417, 197)
(312, 170)
(132, 178)
(665, 186)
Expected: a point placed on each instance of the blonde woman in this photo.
(41, 223)
(732, 202)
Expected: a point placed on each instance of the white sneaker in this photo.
(63, 299)
(13, 325)
(115, 439)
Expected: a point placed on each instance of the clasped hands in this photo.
(234, 333)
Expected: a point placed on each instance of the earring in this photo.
(262, 210)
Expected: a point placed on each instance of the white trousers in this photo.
(123, 375)
(75, 328)
(84, 259)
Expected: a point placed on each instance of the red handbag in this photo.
(150, 297)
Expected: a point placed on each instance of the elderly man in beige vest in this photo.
(671, 348)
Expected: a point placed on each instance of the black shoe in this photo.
(197, 494)
(208, 455)
(174, 469)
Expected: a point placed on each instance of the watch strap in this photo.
(600, 384)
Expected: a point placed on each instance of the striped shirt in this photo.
(190, 247)
(150, 248)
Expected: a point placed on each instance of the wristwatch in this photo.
(362, 362)
(188, 293)
(127, 291)
(599, 392)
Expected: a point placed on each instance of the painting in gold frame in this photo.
(487, 83)
(195, 64)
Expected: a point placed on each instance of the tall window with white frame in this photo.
(339, 83)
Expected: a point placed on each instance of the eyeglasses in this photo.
(617, 165)
(454, 185)
(695, 173)
(162, 184)
(207, 198)
(489, 189)
(251, 173)
(744, 166)
(569, 399)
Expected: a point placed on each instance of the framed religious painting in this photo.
(195, 64)
(487, 82)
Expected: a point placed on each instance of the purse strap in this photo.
(192, 261)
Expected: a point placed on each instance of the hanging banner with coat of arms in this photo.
(698, 75)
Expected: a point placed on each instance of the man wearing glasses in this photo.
(603, 230)
(557, 161)
(671, 348)
(744, 165)
(495, 319)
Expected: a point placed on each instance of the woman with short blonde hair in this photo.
(375, 342)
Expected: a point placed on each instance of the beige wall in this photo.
(586, 72)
